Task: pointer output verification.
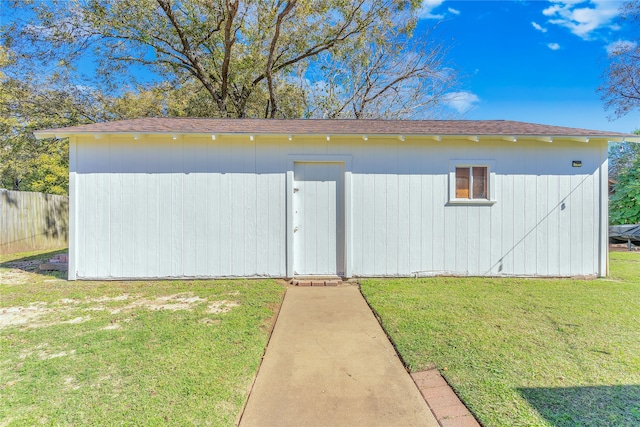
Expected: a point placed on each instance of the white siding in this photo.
(196, 207)
(190, 207)
(526, 232)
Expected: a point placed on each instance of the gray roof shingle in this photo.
(329, 127)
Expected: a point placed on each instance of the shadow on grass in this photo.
(587, 406)
(30, 262)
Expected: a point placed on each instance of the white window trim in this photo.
(491, 170)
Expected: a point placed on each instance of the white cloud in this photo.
(462, 101)
(620, 46)
(553, 46)
(538, 27)
(582, 18)
(454, 11)
(551, 10)
(426, 10)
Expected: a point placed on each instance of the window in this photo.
(472, 182)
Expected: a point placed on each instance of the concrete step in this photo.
(315, 282)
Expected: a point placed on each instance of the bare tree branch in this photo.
(248, 56)
(621, 88)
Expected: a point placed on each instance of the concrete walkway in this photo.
(329, 363)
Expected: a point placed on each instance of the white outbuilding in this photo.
(188, 198)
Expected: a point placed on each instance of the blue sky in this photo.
(535, 61)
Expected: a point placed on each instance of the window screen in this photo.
(472, 182)
(462, 183)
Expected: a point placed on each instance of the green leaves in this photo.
(621, 156)
(69, 62)
(29, 102)
(624, 205)
(246, 55)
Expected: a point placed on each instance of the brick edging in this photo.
(443, 402)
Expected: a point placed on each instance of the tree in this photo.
(29, 102)
(69, 62)
(387, 80)
(624, 205)
(621, 156)
(621, 88)
(21, 155)
(250, 57)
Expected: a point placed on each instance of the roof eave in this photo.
(45, 134)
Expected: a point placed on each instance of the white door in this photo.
(318, 218)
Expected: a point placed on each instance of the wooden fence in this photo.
(32, 221)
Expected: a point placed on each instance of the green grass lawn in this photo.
(128, 353)
(525, 352)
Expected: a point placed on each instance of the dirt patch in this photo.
(25, 273)
(70, 383)
(171, 302)
(44, 355)
(122, 297)
(33, 314)
(223, 306)
(623, 247)
(12, 316)
(77, 320)
(14, 276)
(112, 326)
